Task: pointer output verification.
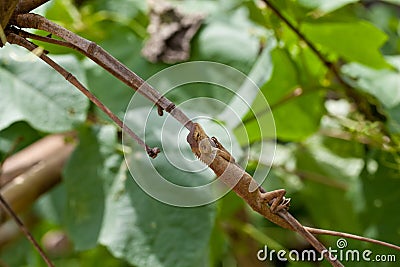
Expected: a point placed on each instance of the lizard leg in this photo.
(276, 199)
(222, 151)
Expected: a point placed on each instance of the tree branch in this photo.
(16, 39)
(25, 6)
(23, 189)
(25, 230)
(305, 233)
(28, 157)
(108, 62)
(28, 186)
(7, 8)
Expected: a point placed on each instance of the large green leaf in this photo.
(16, 137)
(356, 41)
(295, 117)
(32, 91)
(249, 88)
(166, 177)
(104, 204)
(85, 175)
(325, 177)
(300, 117)
(145, 232)
(228, 40)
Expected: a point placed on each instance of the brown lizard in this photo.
(212, 153)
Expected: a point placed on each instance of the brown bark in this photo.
(28, 157)
(25, 6)
(7, 8)
(24, 189)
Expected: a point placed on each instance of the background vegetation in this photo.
(338, 141)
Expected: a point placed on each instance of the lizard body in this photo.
(212, 153)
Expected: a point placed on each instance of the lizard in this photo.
(211, 152)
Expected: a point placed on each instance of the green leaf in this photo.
(30, 90)
(145, 232)
(344, 148)
(394, 115)
(300, 117)
(255, 13)
(130, 223)
(62, 10)
(295, 119)
(356, 41)
(383, 84)
(392, 1)
(16, 137)
(246, 94)
(242, 49)
(325, 177)
(85, 175)
(127, 8)
(380, 184)
(326, 6)
(176, 160)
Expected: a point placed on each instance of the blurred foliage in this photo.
(340, 166)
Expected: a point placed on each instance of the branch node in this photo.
(91, 48)
(160, 110)
(170, 107)
(68, 76)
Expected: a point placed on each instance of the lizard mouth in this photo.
(207, 153)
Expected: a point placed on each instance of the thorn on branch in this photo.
(160, 110)
(152, 152)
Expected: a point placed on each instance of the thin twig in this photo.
(346, 235)
(107, 61)
(16, 39)
(25, 230)
(41, 150)
(46, 39)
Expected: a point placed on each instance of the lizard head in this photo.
(202, 145)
